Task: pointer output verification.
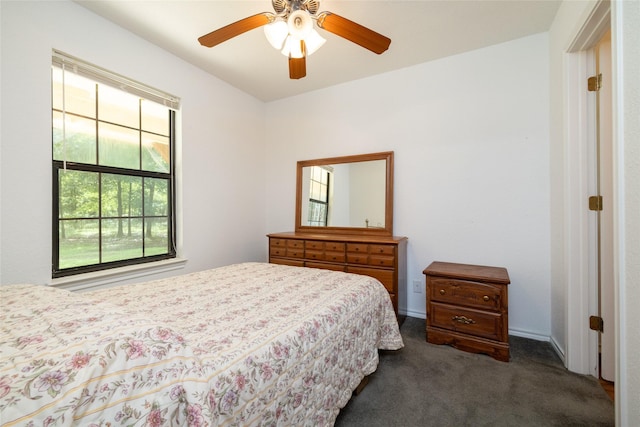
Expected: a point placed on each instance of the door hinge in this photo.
(595, 203)
(594, 83)
(596, 323)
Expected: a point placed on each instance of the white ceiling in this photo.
(420, 31)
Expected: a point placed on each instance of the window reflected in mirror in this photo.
(319, 177)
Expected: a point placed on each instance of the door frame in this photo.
(581, 251)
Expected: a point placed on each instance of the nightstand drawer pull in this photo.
(442, 292)
(463, 319)
(486, 298)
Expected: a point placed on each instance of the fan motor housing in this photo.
(287, 6)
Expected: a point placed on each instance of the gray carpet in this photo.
(431, 385)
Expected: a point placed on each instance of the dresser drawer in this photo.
(277, 251)
(384, 276)
(334, 246)
(467, 293)
(324, 266)
(334, 256)
(362, 248)
(314, 254)
(381, 260)
(284, 261)
(295, 252)
(278, 243)
(357, 258)
(314, 245)
(324, 256)
(382, 250)
(468, 321)
(295, 244)
(286, 248)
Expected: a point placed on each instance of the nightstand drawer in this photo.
(467, 293)
(468, 321)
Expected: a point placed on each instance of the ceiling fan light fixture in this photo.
(313, 41)
(293, 48)
(300, 24)
(276, 33)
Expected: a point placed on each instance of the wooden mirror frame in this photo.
(387, 230)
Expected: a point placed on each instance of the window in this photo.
(318, 196)
(113, 170)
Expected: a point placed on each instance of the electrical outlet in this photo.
(417, 286)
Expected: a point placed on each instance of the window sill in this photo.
(99, 279)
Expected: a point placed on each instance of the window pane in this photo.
(121, 196)
(80, 95)
(118, 146)
(156, 197)
(116, 106)
(78, 194)
(324, 194)
(324, 177)
(156, 238)
(80, 144)
(121, 239)
(155, 153)
(154, 117)
(79, 243)
(317, 213)
(314, 193)
(316, 173)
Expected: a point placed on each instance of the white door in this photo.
(605, 220)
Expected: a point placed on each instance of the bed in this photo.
(241, 345)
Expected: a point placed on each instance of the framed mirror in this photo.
(348, 195)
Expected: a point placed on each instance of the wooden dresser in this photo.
(467, 307)
(382, 257)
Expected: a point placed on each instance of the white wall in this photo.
(222, 150)
(470, 136)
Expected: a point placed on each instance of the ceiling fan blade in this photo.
(297, 68)
(354, 32)
(235, 29)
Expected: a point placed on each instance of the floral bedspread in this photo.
(242, 345)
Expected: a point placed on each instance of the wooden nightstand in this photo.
(467, 307)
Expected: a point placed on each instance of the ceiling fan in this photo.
(290, 29)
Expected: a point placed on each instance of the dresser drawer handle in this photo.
(463, 319)
(486, 298)
(442, 292)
